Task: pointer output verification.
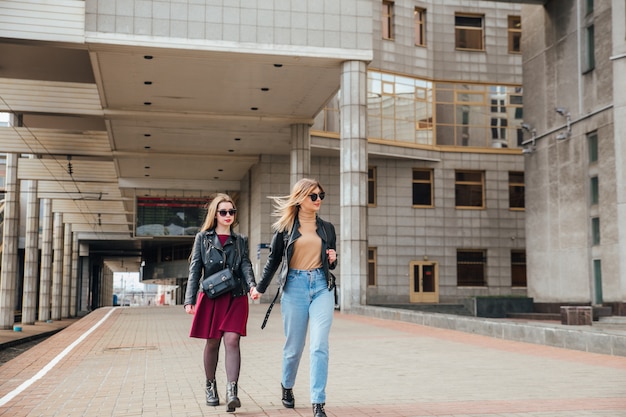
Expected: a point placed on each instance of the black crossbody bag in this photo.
(220, 282)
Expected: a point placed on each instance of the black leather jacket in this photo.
(283, 243)
(207, 257)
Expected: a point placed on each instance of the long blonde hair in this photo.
(286, 207)
(209, 221)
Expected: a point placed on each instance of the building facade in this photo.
(408, 112)
(575, 182)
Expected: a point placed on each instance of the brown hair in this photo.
(209, 221)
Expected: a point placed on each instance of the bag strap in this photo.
(269, 309)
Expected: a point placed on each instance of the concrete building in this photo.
(129, 115)
(575, 179)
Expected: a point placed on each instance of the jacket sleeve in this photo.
(246, 266)
(277, 248)
(332, 243)
(195, 271)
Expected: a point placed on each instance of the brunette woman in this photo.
(217, 246)
(306, 246)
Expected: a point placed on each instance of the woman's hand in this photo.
(254, 294)
(190, 309)
(332, 255)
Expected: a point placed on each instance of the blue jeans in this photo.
(306, 301)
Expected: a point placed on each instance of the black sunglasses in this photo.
(223, 213)
(320, 195)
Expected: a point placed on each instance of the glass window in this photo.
(592, 139)
(597, 278)
(403, 109)
(371, 267)
(469, 189)
(469, 32)
(594, 190)
(595, 231)
(162, 216)
(518, 268)
(423, 187)
(480, 115)
(590, 50)
(399, 108)
(419, 16)
(387, 19)
(515, 34)
(371, 186)
(470, 268)
(516, 190)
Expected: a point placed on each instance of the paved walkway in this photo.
(139, 362)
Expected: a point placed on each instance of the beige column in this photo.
(10, 235)
(75, 278)
(67, 269)
(353, 180)
(45, 278)
(300, 164)
(106, 286)
(57, 266)
(31, 254)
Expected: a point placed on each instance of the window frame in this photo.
(592, 140)
(594, 190)
(518, 268)
(514, 31)
(419, 19)
(470, 253)
(470, 185)
(429, 182)
(371, 186)
(461, 30)
(372, 257)
(595, 231)
(387, 20)
(589, 55)
(516, 187)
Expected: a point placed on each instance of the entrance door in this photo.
(424, 282)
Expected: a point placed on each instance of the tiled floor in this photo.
(140, 362)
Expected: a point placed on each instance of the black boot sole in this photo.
(232, 404)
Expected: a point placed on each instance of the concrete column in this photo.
(67, 269)
(84, 280)
(31, 254)
(45, 279)
(10, 235)
(353, 180)
(57, 266)
(74, 284)
(614, 278)
(300, 166)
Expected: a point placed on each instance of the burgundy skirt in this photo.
(214, 316)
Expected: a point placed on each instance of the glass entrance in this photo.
(424, 282)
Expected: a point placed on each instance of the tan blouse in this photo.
(308, 247)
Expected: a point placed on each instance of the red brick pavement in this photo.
(140, 362)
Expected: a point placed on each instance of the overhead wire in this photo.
(68, 168)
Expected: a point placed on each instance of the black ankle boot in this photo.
(288, 400)
(211, 393)
(318, 410)
(232, 401)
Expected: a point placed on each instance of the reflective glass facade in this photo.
(421, 112)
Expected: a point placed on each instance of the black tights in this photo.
(232, 354)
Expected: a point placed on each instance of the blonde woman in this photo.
(306, 245)
(216, 246)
